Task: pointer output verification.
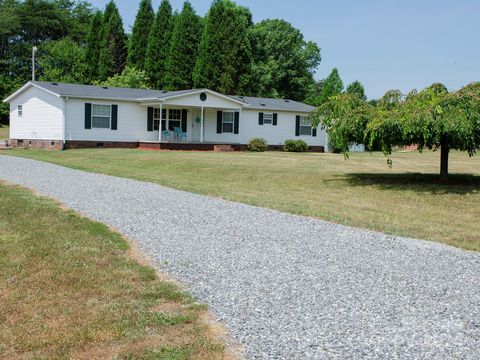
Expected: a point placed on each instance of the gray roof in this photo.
(274, 104)
(99, 92)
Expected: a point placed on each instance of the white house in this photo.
(58, 116)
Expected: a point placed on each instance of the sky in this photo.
(388, 44)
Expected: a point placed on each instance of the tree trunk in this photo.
(444, 151)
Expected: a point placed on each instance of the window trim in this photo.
(270, 114)
(228, 122)
(303, 117)
(20, 111)
(109, 117)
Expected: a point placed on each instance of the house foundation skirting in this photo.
(82, 144)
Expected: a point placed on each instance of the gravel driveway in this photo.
(287, 287)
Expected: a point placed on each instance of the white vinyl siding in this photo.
(101, 116)
(227, 121)
(36, 115)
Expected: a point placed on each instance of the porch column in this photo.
(201, 125)
(160, 124)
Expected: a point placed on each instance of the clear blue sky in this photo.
(386, 44)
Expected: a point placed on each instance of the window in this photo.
(267, 118)
(227, 122)
(156, 119)
(101, 115)
(305, 125)
(20, 110)
(174, 119)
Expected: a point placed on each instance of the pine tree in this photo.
(184, 49)
(224, 60)
(113, 49)
(333, 85)
(158, 48)
(139, 39)
(94, 39)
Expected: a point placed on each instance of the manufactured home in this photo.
(62, 116)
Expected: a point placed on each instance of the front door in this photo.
(196, 125)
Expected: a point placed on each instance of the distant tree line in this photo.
(224, 51)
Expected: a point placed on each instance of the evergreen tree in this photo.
(332, 85)
(224, 60)
(94, 39)
(184, 49)
(158, 48)
(113, 49)
(356, 88)
(139, 39)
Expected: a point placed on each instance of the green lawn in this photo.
(4, 132)
(71, 289)
(362, 191)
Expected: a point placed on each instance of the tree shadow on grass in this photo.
(455, 184)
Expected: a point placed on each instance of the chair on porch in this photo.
(167, 135)
(180, 134)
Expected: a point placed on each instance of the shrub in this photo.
(295, 146)
(257, 144)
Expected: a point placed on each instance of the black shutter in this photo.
(184, 120)
(314, 132)
(88, 116)
(150, 119)
(219, 121)
(297, 126)
(114, 124)
(260, 118)
(164, 119)
(236, 123)
(275, 118)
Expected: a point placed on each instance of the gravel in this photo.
(286, 286)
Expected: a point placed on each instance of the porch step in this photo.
(223, 148)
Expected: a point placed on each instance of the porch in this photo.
(191, 146)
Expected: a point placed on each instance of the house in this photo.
(62, 116)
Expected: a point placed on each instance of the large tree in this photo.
(333, 85)
(113, 48)
(94, 39)
(63, 61)
(432, 119)
(139, 38)
(356, 88)
(224, 60)
(284, 63)
(158, 48)
(184, 49)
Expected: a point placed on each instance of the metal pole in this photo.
(34, 50)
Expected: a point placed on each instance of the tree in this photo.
(183, 50)
(94, 39)
(224, 59)
(62, 61)
(332, 86)
(113, 49)
(129, 78)
(284, 63)
(140, 31)
(158, 48)
(356, 88)
(432, 119)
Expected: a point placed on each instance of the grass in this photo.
(4, 132)
(406, 200)
(70, 288)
